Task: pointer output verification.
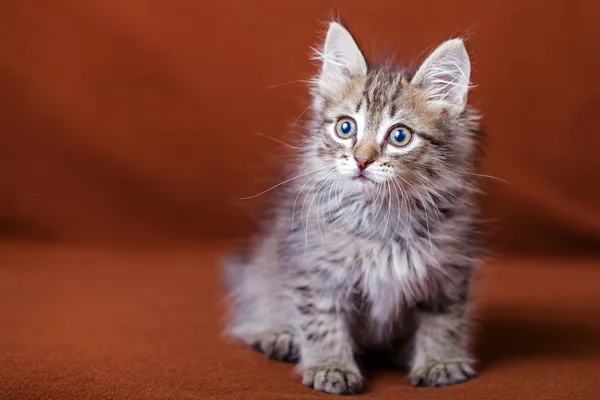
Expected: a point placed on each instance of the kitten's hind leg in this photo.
(259, 315)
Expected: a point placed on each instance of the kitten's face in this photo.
(376, 130)
(382, 126)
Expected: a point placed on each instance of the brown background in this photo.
(129, 124)
(136, 120)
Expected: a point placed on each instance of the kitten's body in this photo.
(349, 262)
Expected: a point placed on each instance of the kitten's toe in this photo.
(333, 379)
(442, 373)
(279, 345)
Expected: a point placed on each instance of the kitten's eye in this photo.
(345, 127)
(400, 136)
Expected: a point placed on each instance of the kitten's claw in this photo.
(281, 346)
(333, 379)
(442, 374)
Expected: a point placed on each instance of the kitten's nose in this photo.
(363, 162)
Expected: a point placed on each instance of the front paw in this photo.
(333, 379)
(442, 373)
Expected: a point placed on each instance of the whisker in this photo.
(306, 226)
(282, 183)
(276, 140)
(493, 177)
(301, 191)
(383, 190)
(379, 190)
(333, 184)
(434, 206)
(446, 195)
(323, 204)
(373, 219)
(324, 199)
(385, 219)
(288, 83)
(398, 195)
(341, 207)
(326, 179)
(409, 220)
(424, 209)
(333, 189)
(300, 116)
(307, 216)
(436, 189)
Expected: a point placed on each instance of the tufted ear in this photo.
(341, 58)
(444, 77)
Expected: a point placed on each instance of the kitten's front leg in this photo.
(327, 355)
(440, 354)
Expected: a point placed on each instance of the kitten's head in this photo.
(375, 124)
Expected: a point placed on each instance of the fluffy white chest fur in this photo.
(390, 278)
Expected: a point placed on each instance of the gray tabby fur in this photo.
(344, 266)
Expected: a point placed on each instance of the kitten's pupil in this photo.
(399, 135)
(346, 127)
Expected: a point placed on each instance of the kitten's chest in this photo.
(391, 279)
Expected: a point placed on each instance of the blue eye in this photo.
(345, 127)
(400, 136)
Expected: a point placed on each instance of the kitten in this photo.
(371, 243)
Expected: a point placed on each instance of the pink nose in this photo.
(362, 162)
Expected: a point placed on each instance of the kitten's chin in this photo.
(361, 183)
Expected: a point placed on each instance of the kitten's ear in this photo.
(444, 77)
(341, 57)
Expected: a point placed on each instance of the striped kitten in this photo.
(371, 243)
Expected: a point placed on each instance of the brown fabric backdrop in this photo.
(136, 120)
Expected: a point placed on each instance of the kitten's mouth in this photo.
(361, 178)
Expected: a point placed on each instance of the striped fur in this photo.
(344, 266)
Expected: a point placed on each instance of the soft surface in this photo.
(92, 323)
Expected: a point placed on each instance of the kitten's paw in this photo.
(333, 379)
(442, 373)
(279, 345)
